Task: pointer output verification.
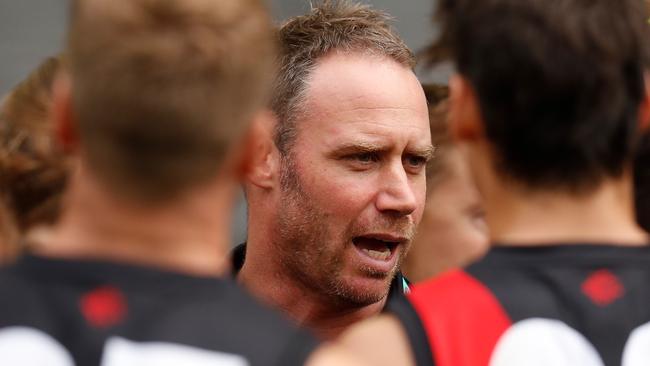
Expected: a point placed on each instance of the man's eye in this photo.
(365, 157)
(416, 161)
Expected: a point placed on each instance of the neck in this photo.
(324, 314)
(188, 235)
(604, 216)
(268, 279)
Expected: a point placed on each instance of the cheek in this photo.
(473, 234)
(474, 242)
(339, 194)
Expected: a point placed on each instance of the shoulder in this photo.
(16, 286)
(447, 289)
(240, 321)
(380, 341)
(23, 301)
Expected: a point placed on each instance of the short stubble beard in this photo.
(302, 234)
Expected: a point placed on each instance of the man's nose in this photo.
(396, 193)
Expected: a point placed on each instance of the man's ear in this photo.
(644, 107)
(465, 121)
(63, 117)
(261, 163)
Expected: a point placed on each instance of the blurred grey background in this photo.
(31, 30)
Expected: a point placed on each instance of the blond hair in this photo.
(336, 25)
(162, 89)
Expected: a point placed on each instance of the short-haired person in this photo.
(452, 232)
(33, 168)
(547, 104)
(155, 106)
(338, 187)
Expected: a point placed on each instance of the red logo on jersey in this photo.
(602, 287)
(103, 307)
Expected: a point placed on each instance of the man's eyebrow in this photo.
(357, 147)
(427, 152)
(365, 147)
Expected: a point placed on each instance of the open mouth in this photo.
(377, 247)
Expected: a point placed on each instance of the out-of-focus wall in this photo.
(412, 17)
(413, 20)
(31, 30)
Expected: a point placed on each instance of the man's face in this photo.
(353, 184)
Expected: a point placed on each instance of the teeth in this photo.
(377, 254)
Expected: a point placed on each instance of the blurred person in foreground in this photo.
(337, 188)
(452, 232)
(547, 105)
(33, 168)
(155, 105)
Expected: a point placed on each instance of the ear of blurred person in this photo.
(464, 111)
(452, 232)
(62, 115)
(262, 161)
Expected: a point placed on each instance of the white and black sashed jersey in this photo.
(560, 305)
(82, 313)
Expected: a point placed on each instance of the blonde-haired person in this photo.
(452, 232)
(159, 105)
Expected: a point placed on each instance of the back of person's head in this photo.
(558, 83)
(161, 90)
(331, 26)
(33, 169)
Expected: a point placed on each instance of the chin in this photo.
(363, 290)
